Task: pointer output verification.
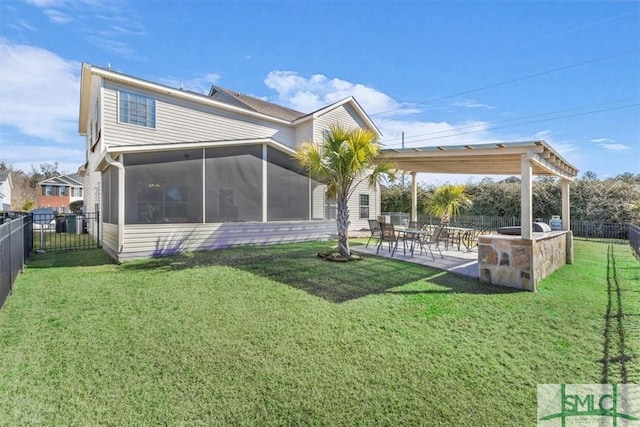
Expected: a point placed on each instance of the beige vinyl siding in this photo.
(304, 132)
(354, 205)
(345, 115)
(318, 202)
(109, 237)
(92, 180)
(143, 241)
(182, 121)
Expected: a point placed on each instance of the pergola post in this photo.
(566, 225)
(566, 218)
(526, 200)
(414, 197)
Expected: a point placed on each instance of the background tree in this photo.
(342, 160)
(76, 206)
(396, 198)
(614, 200)
(447, 200)
(25, 192)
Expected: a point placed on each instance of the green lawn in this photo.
(274, 336)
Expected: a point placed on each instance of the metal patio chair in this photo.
(374, 228)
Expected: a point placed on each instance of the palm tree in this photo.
(447, 200)
(341, 161)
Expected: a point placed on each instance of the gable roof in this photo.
(4, 175)
(349, 100)
(245, 101)
(72, 179)
(218, 97)
(88, 71)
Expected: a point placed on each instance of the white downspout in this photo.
(120, 166)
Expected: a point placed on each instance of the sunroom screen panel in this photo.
(163, 187)
(287, 188)
(233, 184)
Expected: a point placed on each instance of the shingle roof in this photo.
(254, 104)
(4, 174)
(72, 179)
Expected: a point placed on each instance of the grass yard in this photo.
(274, 336)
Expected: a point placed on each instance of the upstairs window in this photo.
(63, 191)
(137, 109)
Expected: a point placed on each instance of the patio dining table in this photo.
(414, 235)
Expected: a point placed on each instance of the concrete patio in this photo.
(455, 261)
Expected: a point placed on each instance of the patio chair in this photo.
(432, 240)
(388, 234)
(374, 228)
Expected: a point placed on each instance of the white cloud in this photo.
(309, 94)
(392, 117)
(610, 144)
(57, 17)
(602, 140)
(423, 133)
(616, 147)
(470, 103)
(200, 83)
(21, 24)
(110, 25)
(46, 3)
(23, 156)
(39, 92)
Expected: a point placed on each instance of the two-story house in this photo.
(172, 170)
(5, 190)
(60, 191)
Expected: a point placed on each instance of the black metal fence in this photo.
(21, 233)
(599, 231)
(16, 243)
(53, 232)
(634, 239)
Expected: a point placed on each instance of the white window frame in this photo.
(140, 109)
(368, 205)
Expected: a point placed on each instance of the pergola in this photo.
(508, 158)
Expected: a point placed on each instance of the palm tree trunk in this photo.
(444, 220)
(342, 221)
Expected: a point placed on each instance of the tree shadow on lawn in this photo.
(71, 258)
(297, 265)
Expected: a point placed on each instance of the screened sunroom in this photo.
(252, 182)
(209, 197)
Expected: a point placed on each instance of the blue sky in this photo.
(444, 73)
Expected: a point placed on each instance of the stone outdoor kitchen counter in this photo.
(511, 261)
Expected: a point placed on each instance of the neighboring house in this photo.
(172, 170)
(5, 190)
(58, 192)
